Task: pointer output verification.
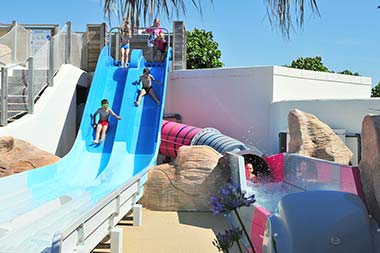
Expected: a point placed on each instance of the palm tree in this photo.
(146, 9)
(279, 11)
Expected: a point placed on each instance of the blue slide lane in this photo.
(36, 204)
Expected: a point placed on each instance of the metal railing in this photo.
(109, 37)
(4, 90)
(42, 64)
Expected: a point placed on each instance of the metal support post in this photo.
(117, 46)
(31, 86)
(14, 49)
(68, 44)
(55, 30)
(4, 97)
(137, 215)
(116, 240)
(51, 63)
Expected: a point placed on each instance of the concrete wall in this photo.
(234, 100)
(244, 102)
(52, 126)
(297, 84)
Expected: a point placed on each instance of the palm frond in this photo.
(281, 11)
(134, 10)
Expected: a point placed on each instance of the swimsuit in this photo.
(147, 82)
(125, 46)
(147, 89)
(103, 122)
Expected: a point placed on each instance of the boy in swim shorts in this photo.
(102, 126)
(146, 78)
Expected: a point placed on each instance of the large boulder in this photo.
(311, 137)
(370, 163)
(188, 183)
(18, 156)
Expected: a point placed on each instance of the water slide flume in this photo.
(80, 198)
(312, 205)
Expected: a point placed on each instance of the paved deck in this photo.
(171, 232)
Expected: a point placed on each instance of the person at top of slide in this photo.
(154, 32)
(125, 38)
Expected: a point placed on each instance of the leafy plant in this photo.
(375, 91)
(309, 63)
(230, 199)
(202, 50)
(315, 63)
(225, 241)
(348, 72)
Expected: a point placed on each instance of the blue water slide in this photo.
(37, 204)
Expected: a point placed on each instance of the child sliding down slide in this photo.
(102, 126)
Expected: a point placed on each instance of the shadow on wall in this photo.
(74, 116)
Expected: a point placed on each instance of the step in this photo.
(25, 72)
(20, 81)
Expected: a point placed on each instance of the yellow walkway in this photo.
(171, 232)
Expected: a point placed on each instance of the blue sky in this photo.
(346, 35)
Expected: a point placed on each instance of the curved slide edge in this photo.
(52, 125)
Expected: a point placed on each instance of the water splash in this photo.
(269, 194)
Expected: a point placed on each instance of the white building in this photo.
(251, 104)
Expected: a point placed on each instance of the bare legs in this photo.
(151, 92)
(124, 56)
(100, 129)
(143, 93)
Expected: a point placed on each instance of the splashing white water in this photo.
(269, 194)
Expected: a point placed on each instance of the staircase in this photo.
(18, 80)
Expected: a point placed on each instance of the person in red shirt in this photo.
(162, 45)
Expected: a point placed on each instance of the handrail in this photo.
(15, 64)
(109, 39)
(138, 28)
(153, 27)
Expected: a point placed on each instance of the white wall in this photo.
(346, 114)
(297, 84)
(234, 100)
(52, 126)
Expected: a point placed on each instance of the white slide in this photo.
(52, 125)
